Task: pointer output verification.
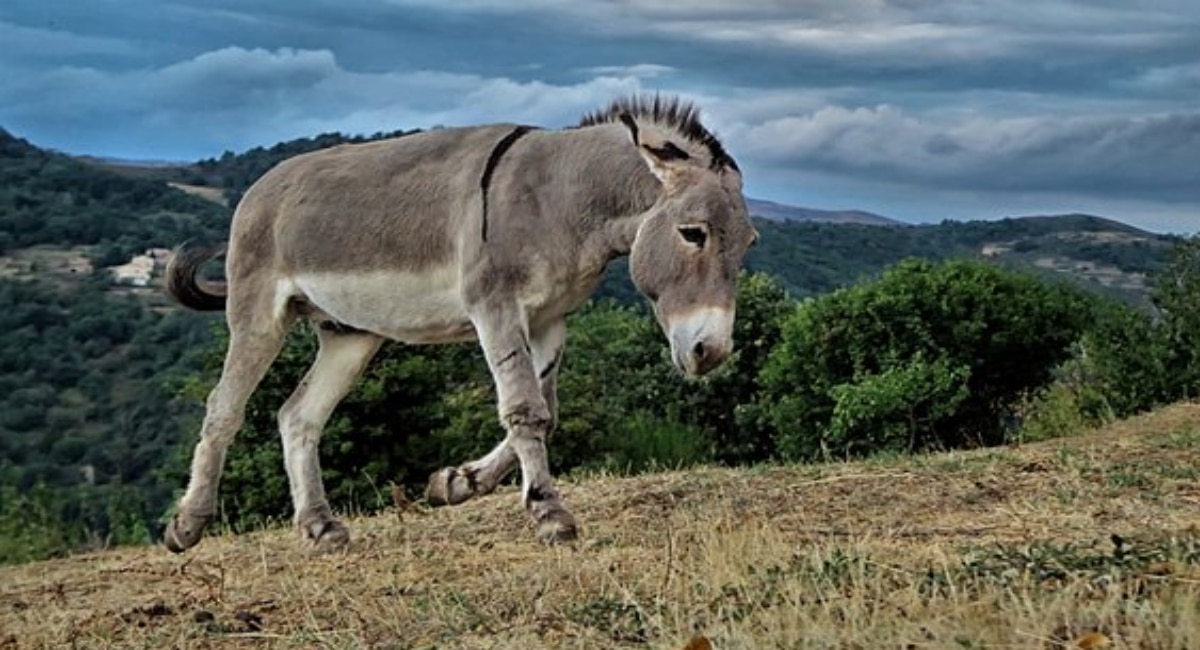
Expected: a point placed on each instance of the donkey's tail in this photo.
(185, 287)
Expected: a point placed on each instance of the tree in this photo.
(1139, 360)
(1126, 359)
(1177, 297)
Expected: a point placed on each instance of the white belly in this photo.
(409, 307)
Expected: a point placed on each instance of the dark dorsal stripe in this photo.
(630, 124)
(490, 168)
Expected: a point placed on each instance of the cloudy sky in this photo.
(921, 110)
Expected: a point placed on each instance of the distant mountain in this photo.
(1100, 254)
(780, 212)
(1057, 223)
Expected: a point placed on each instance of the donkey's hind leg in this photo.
(341, 358)
(255, 339)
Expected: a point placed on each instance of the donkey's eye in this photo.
(694, 235)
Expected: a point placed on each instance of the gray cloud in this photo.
(639, 70)
(1090, 102)
(235, 98)
(1153, 156)
(36, 44)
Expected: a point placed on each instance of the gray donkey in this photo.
(493, 233)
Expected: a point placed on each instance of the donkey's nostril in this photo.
(706, 356)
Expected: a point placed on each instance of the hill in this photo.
(89, 371)
(1075, 543)
(1098, 254)
(232, 174)
(50, 198)
(780, 212)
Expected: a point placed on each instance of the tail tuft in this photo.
(182, 283)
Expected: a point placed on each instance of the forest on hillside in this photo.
(50, 198)
(103, 387)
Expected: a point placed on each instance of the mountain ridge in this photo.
(775, 211)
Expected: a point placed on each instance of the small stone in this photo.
(202, 616)
(252, 621)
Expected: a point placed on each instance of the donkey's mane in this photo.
(670, 111)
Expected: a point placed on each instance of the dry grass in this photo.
(1007, 548)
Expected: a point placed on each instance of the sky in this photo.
(920, 110)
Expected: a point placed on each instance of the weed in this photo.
(622, 621)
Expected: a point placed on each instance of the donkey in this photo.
(492, 233)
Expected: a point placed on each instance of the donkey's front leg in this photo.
(526, 416)
(453, 485)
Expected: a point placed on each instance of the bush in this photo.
(1177, 297)
(649, 443)
(1137, 360)
(928, 356)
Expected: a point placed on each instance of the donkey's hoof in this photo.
(449, 487)
(185, 531)
(557, 528)
(328, 536)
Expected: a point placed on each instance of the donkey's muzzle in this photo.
(701, 340)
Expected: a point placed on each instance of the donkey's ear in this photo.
(667, 161)
(665, 158)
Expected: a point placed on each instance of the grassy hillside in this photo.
(1065, 544)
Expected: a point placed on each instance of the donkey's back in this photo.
(393, 204)
(365, 236)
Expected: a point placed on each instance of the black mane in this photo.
(683, 116)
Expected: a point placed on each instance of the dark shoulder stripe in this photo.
(490, 168)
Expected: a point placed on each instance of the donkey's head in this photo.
(689, 247)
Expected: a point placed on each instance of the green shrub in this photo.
(649, 443)
(927, 356)
(1138, 360)
(1062, 409)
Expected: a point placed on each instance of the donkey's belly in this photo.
(409, 307)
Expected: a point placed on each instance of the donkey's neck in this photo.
(619, 192)
(619, 233)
